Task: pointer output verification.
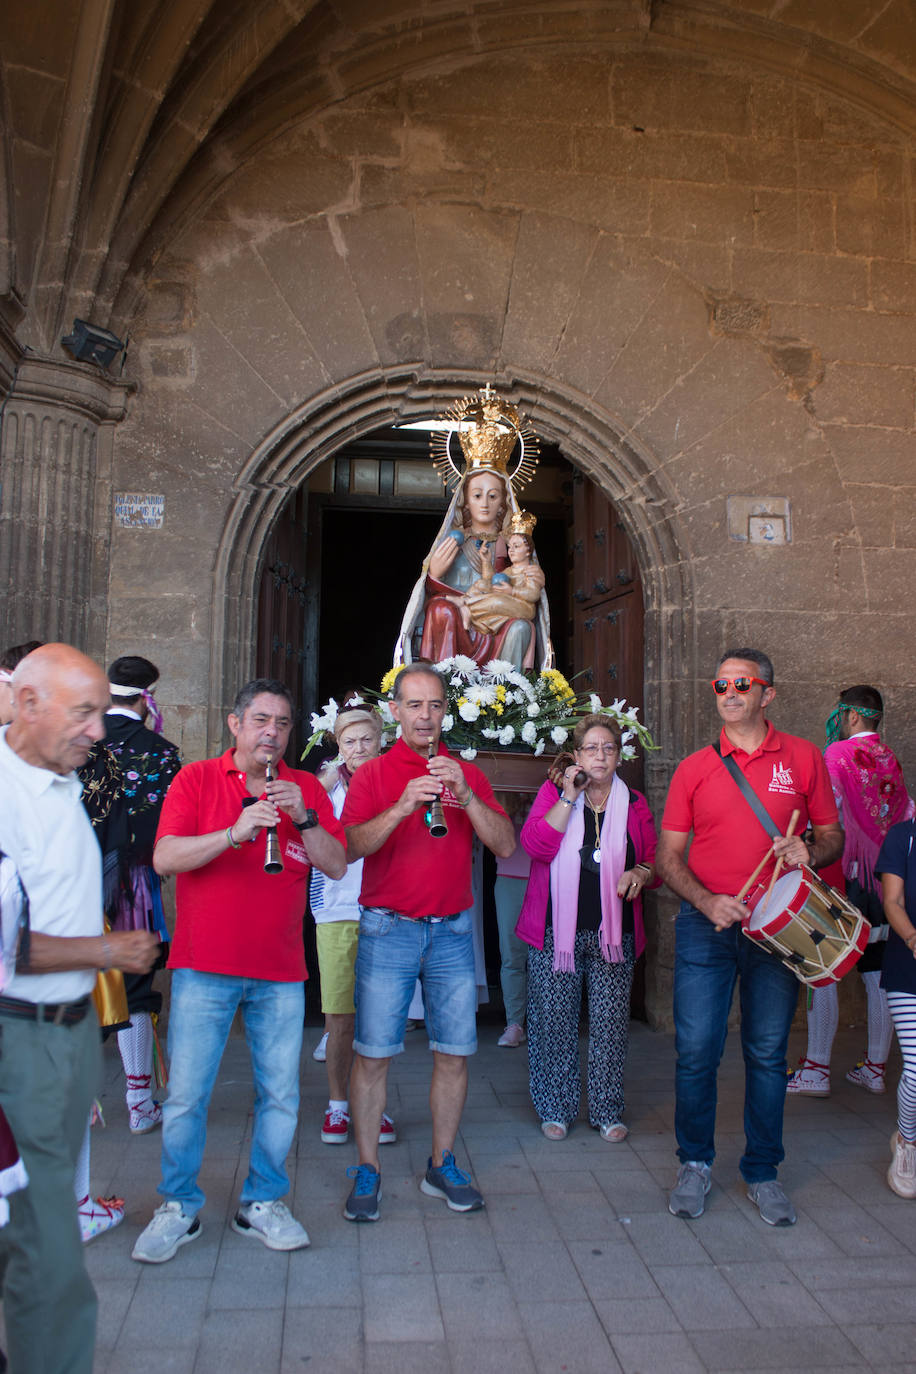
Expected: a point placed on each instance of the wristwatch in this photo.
(311, 820)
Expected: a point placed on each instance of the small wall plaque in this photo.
(759, 520)
(139, 510)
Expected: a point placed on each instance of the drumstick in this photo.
(793, 822)
(752, 879)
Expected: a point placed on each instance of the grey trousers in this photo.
(48, 1077)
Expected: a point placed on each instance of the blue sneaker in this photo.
(453, 1184)
(362, 1204)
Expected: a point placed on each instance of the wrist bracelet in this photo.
(106, 955)
(233, 842)
(567, 801)
(466, 804)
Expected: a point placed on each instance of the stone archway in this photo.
(587, 436)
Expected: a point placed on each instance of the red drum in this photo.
(817, 933)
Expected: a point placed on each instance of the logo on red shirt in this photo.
(782, 781)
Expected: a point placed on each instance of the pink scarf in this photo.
(874, 797)
(564, 879)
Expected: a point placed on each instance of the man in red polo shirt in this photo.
(787, 774)
(238, 945)
(415, 923)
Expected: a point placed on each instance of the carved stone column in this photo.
(56, 434)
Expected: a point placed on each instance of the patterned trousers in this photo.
(554, 1000)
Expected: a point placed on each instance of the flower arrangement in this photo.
(500, 707)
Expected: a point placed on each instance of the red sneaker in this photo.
(336, 1128)
(387, 1134)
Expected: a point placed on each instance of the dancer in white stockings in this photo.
(871, 797)
(897, 866)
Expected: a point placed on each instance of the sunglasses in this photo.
(720, 685)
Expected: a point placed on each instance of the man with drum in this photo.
(786, 775)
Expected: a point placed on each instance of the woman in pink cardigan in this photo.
(592, 847)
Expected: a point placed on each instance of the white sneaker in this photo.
(272, 1224)
(901, 1176)
(320, 1052)
(168, 1230)
(512, 1037)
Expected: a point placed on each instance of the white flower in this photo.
(448, 723)
(445, 665)
(529, 732)
(482, 693)
(632, 713)
(628, 752)
(594, 702)
(533, 709)
(490, 733)
(384, 710)
(499, 668)
(506, 734)
(469, 754)
(626, 736)
(558, 734)
(326, 720)
(618, 705)
(469, 710)
(462, 664)
(539, 749)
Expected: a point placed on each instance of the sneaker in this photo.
(99, 1214)
(512, 1037)
(273, 1224)
(809, 1080)
(614, 1131)
(771, 1202)
(362, 1204)
(387, 1134)
(168, 1230)
(869, 1076)
(145, 1116)
(451, 1183)
(688, 1196)
(320, 1052)
(901, 1176)
(336, 1128)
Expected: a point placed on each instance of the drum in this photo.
(816, 932)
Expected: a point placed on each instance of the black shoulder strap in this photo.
(749, 795)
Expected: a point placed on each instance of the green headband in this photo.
(832, 725)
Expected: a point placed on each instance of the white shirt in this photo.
(45, 830)
(336, 899)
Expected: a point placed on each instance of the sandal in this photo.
(554, 1130)
(614, 1131)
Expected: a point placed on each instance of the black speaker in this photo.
(89, 344)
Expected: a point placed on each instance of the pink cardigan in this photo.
(541, 842)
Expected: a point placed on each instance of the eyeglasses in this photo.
(593, 750)
(720, 685)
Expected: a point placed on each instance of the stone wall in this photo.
(697, 277)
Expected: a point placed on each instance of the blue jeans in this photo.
(707, 962)
(393, 952)
(203, 1005)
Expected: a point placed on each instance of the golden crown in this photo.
(522, 522)
(493, 437)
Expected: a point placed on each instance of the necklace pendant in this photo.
(596, 855)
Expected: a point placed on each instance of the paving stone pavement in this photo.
(574, 1266)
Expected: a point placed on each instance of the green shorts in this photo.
(337, 941)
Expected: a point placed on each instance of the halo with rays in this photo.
(518, 465)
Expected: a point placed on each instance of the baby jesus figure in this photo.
(512, 594)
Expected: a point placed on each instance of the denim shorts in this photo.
(393, 953)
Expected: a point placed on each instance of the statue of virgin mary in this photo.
(470, 548)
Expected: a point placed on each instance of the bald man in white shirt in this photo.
(48, 1029)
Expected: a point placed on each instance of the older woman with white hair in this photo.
(335, 907)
